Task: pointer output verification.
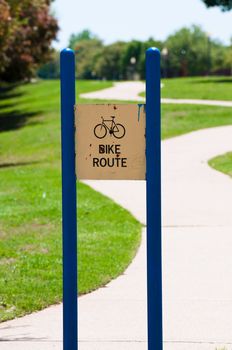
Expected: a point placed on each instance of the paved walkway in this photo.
(130, 90)
(197, 263)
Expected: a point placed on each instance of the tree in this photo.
(109, 62)
(87, 47)
(225, 5)
(131, 56)
(5, 31)
(220, 60)
(85, 35)
(87, 52)
(29, 30)
(189, 52)
(193, 52)
(50, 69)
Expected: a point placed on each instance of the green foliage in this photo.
(85, 35)
(191, 52)
(117, 61)
(87, 47)
(4, 33)
(86, 53)
(26, 31)
(108, 62)
(50, 70)
(131, 58)
(188, 52)
(225, 5)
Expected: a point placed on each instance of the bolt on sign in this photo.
(110, 141)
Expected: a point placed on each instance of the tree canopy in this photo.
(84, 35)
(225, 5)
(27, 29)
(189, 51)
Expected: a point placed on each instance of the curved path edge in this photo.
(130, 90)
(197, 268)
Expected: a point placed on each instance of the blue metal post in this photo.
(69, 208)
(153, 177)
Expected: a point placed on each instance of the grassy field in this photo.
(30, 208)
(206, 88)
(30, 205)
(180, 119)
(222, 163)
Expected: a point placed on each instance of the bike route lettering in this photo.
(116, 161)
(110, 141)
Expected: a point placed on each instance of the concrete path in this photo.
(197, 263)
(125, 91)
(130, 90)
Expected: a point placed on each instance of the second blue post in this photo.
(153, 177)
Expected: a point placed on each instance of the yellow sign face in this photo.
(110, 142)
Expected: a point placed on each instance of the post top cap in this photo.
(67, 51)
(153, 51)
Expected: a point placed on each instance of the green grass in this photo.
(222, 163)
(206, 88)
(30, 208)
(180, 119)
(30, 199)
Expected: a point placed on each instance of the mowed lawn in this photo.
(206, 88)
(222, 163)
(30, 208)
(30, 199)
(180, 119)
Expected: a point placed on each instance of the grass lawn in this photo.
(206, 88)
(222, 163)
(180, 119)
(30, 199)
(30, 208)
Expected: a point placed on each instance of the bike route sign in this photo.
(110, 141)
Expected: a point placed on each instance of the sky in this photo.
(138, 19)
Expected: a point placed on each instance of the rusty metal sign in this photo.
(110, 141)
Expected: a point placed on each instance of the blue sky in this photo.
(138, 19)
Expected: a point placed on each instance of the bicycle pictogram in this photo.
(115, 129)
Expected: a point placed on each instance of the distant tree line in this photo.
(225, 5)
(187, 52)
(27, 29)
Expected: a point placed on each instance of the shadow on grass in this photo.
(6, 105)
(210, 80)
(16, 164)
(7, 92)
(15, 119)
(9, 96)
